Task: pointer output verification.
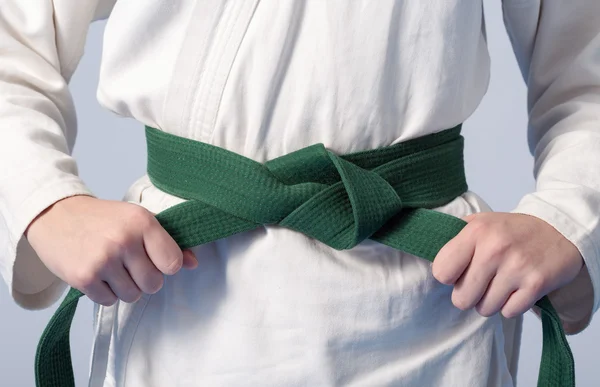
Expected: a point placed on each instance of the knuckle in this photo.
(109, 302)
(536, 282)
(156, 284)
(479, 225)
(139, 216)
(508, 313)
(113, 250)
(484, 311)
(517, 263)
(499, 242)
(441, 275)
(459, 301)
(105, 301)
(83, 279)
(107, 254)
(131, 295)
(515, 309)
(152, 283)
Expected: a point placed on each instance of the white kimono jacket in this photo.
(272, 307)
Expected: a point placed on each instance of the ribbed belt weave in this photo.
(385, 194)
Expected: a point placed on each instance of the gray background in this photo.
(111, 154)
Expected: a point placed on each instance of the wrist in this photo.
(41, 221)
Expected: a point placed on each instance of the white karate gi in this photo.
(272, 307)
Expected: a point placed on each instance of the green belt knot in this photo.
(368, 199)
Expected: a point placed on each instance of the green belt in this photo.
(384, 194)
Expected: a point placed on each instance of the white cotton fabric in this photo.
(272, 307)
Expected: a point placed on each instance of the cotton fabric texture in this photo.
(272, 307)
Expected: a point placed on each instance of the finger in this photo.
(452, 259)
(122, 284)
(143, 272)
(518, 303)
(189, 259)
(496, 295)
(100, 293)
(472, 285)
(162, 249)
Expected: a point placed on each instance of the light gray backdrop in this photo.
(111, 154)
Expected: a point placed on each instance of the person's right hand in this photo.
(109, 250)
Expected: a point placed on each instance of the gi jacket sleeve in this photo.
(557, 45)
(41, 42)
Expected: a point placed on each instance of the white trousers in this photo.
(272, 307)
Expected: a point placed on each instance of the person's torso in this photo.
(263, 78)
(272, 307)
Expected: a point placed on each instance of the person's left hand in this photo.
(505, 262)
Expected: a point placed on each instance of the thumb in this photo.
(189, 258)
